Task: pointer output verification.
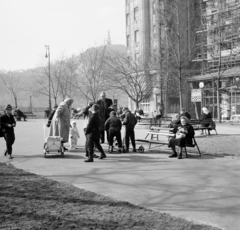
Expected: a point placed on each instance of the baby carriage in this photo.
(52, 144)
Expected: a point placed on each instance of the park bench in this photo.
(28, 114)
(164, 121)
(155, 132)
(197, 125)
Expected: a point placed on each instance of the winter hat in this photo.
(8, 107)
(113, 113)
(125, 109)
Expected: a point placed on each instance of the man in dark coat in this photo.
(8, 123)
(129, 121)
(104, 105)
(92, 133)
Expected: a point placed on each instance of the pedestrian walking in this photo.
(8, 123)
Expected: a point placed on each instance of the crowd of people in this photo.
(102, 120)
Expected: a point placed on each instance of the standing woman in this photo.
(8, 123)
(60, 124)
(183, 134)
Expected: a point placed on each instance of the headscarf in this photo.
(185, 118)
(68, 101)
(205, 110)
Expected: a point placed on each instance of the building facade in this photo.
(150, 33)
(218, 51)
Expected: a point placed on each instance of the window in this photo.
(136, 36)
(136, 15)
(145, 105)
(128, 41)
(127, 20)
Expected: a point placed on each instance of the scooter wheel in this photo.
(141, 149)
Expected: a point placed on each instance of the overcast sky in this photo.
(68, 26)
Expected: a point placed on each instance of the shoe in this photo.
(5, 153)
(134, 150)
(89, 160)
(173, 155)
(180, 156)
(95, 156)
(10, 156)
(120, 150)
(65, 149)
(110, 150)
(102, 156)
(127, 151)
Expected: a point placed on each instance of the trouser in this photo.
(130, 135)
(89, 146)
(102, 137)
(115, 133)
(9, 138)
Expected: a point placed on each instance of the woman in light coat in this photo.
(60, 124)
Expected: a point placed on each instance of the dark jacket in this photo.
(190, 131)
(93, 127)
(130, 120)
(113, 123)
(207, 117)
(50, 117)
(5, 120)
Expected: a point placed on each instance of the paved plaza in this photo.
(203, 189)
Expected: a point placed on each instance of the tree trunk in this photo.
(218, 102)
(15, 100)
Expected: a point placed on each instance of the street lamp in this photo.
(49, 75)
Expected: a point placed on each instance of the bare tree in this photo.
(131, 77)
(91, 78)
(12, 85)
(218, 46)
(176, 19)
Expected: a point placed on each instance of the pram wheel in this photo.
(141, 149)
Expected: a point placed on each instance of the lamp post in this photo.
(49, 75)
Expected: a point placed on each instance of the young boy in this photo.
(8, 123)
(92, 133)
(113, 125)
(73, 135)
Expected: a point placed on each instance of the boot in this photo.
(180, 155)
(110, 150)
(102, 156)
(5, 152)
(89, 160)
(173, 155)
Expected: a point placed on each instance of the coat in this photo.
(103, 111)
(93, 127)
(62, 127)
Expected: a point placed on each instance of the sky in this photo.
(67, 26)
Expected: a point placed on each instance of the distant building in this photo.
(218, 51)
(146, 38)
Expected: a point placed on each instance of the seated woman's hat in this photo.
(8, 107)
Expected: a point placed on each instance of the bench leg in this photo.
(197, 146)
(185, 149)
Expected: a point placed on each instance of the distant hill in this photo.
(27, 77)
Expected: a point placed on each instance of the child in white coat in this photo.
(73, 135)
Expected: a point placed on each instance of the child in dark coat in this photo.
(113, 125)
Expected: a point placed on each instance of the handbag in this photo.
(180, 135)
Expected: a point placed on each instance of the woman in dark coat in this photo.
(183, 134)
(206, 118)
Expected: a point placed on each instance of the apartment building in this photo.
(218, 51)
(147, 38)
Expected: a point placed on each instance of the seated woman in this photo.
(206, 118)
(183, 135)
